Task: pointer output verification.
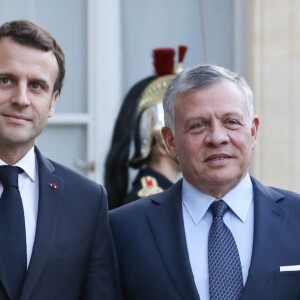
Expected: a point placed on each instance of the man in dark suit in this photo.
(176, 244)
(69, 248)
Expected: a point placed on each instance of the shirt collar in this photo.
(238, 199)
(28, 164)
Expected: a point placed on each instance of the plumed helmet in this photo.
(150, 114)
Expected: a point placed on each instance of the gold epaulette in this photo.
(149, 187)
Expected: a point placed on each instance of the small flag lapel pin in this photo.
(53, 185)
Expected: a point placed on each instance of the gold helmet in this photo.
(150, 113)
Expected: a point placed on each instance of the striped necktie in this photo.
(224, 265)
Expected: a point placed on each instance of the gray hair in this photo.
(196, 78)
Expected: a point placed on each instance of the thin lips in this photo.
(217, 156)
(17, 117)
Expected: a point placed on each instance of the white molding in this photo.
(239, 36)
(104, 77)
(69, 119)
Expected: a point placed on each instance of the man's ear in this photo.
(168, 137)
(55, 97)
(161, 148)
(254, 130)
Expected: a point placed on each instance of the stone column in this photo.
(273, 72)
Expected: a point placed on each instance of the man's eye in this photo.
(232, 122)
(199, 125)
(5, 80)
(36, 86)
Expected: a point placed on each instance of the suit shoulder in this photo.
(274, 192)
(153, 199)
(79, 187)
(68, 174)
(287, 193)
(130, 208)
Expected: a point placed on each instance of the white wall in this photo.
(207, 27)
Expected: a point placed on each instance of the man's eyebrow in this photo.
(7, 74)
(39, 80)
(234, 114)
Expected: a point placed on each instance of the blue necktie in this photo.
(224, 265)
(12, 230)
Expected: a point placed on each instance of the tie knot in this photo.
(9, 176)
(218, 208)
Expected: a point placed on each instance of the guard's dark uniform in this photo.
(161, 182)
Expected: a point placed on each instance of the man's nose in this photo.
(20, 96)
(216, 135)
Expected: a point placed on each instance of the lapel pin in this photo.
(53, 185)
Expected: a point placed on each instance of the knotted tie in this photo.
(225, 271)
(12, 230)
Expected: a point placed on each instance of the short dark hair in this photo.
(27, 33)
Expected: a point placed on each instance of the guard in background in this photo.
(137, 130)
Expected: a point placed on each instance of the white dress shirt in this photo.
(29, 189)
(197, 221)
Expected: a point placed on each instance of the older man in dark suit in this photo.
(218, 233)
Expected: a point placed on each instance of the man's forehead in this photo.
(12, 51)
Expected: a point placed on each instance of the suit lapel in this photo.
(165, 218)
(270, 220)
(50, 199)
